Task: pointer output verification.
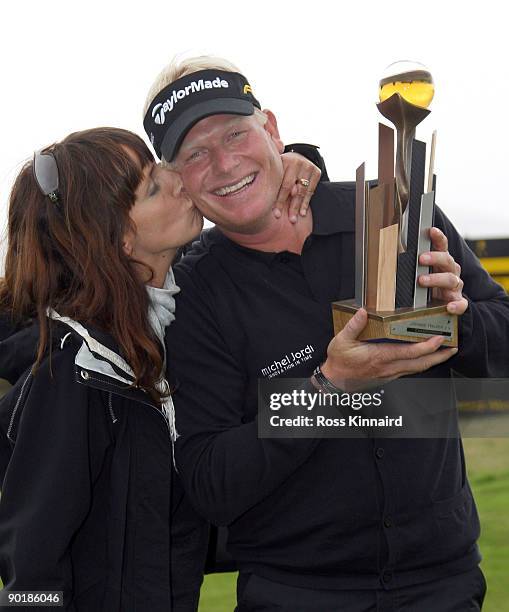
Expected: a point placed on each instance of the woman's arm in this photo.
(46, 492)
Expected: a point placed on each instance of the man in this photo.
(325, 525)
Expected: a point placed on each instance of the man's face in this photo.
(232, 170)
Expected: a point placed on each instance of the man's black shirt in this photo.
(349, 513)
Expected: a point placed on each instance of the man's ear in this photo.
(271, 127)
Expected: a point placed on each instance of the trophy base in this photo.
(407, 324)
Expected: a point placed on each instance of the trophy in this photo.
(393, 221)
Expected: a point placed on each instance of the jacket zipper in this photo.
(110, 406)
(112, 414)
(16, 406)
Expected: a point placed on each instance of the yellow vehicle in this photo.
(494, 256)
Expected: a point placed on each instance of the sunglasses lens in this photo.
(46, 172)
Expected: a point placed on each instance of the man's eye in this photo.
(194, 156)
(236, 134)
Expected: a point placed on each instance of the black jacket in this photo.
(344, 513)
(90, 504)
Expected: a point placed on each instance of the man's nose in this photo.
(224, 161)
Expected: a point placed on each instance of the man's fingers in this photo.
(457, 307)
(440, 260)
(443, 280)
(439, 239)
(421, 364)
(406, 352)
(354, 327)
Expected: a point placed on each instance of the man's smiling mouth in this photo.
(231, 189)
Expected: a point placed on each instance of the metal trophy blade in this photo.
(393, 221)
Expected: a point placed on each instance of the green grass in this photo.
(488, 469)
(218, 593)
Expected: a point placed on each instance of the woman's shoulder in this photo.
(43, 395)
(54, 378)
(56, 397)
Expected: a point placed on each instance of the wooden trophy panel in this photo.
(407, 324)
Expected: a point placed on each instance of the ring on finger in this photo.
(303, 181)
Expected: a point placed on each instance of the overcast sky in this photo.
(67, 66)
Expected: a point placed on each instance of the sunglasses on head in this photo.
(46, 174)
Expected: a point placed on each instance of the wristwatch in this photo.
(323, 383)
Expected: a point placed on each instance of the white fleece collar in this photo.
(161, 311)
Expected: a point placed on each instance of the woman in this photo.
(86, 431)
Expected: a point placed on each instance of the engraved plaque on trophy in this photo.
(393, 221)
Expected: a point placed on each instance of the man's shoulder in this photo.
(333, 207)
(208, 258)
(339, 187)
(339, 193)
(343, 191)
(196, 254)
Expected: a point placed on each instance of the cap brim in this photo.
(179, 128)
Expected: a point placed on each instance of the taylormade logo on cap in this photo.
(201, 94)
(159, 111)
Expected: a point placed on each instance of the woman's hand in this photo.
(299, 183)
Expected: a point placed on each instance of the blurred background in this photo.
(68, 66)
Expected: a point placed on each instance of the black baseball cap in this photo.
(180, 105)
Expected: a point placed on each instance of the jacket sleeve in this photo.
(46, 492)
(312, 153)
(484, 328)
(189, 545)
(225, 468)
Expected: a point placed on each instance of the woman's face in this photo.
(165, 218)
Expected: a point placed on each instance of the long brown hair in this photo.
(69, 256)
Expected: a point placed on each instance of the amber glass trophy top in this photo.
(411, 80)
